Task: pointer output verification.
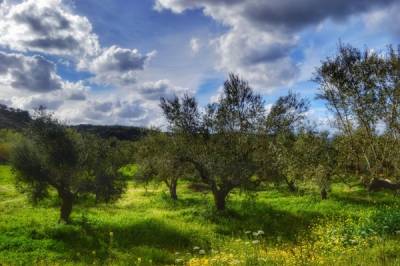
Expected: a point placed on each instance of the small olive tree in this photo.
(104, 159)
(278, 160)
(160, 160)
(54, 156)
(318, 157)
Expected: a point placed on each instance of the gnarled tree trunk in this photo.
(172, 189)
(291, 185)
(220, 198)
(324, 194)
(67, 199)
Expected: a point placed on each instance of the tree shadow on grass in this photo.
(364, 198)
(239, 218)
(84, 237)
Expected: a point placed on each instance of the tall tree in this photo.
(220, 143)
(362, 90)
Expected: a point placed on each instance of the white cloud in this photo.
(260, 57)
(29, 73)
(195, 45)
(111, 111)
(34, 102)
(116, 66)
(28, 82)
(51, 28)
(46, 26)
(386, 18)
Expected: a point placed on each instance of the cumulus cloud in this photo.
(76, 91)
(37, 101)
(28, 82)
(51, 27)
(31, 73)
(45, 26)
(262, 34)
(131, 110)
(261, 57)
(108, 111)
(154, 90)
(115, 65)
(137, 106)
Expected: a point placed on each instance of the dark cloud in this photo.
(62, 43)
(266, 54)
(153, 91)
(295, 14)
(50, 104)
(34, 73)
(44, 22)
(131, 110)
(116, 59)
(102, 106)
(117, 66)
(77, 96)
(288, 14)
(8, 62)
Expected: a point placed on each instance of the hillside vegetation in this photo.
(11, 118)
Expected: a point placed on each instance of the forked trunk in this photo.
(291, 185)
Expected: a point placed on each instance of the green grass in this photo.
(352, 227)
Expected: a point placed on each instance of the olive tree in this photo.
(318, 156)
(160, 160)
(277, 158)
(53, 156)
(219, 142)
(362, 90)
(104, 159)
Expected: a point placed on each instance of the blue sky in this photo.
(109, 61)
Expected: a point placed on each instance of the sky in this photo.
(110, 61)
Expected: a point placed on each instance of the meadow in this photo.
(146, 227)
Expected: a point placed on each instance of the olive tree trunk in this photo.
(220, 199)
(172, 190)
(324, 194)
(291, 185)
(67, 199)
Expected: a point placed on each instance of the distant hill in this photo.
(13, 118)
(119, 132)
(17, 119)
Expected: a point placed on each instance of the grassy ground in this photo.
(146, 228)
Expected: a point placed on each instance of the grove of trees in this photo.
(235, 143)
